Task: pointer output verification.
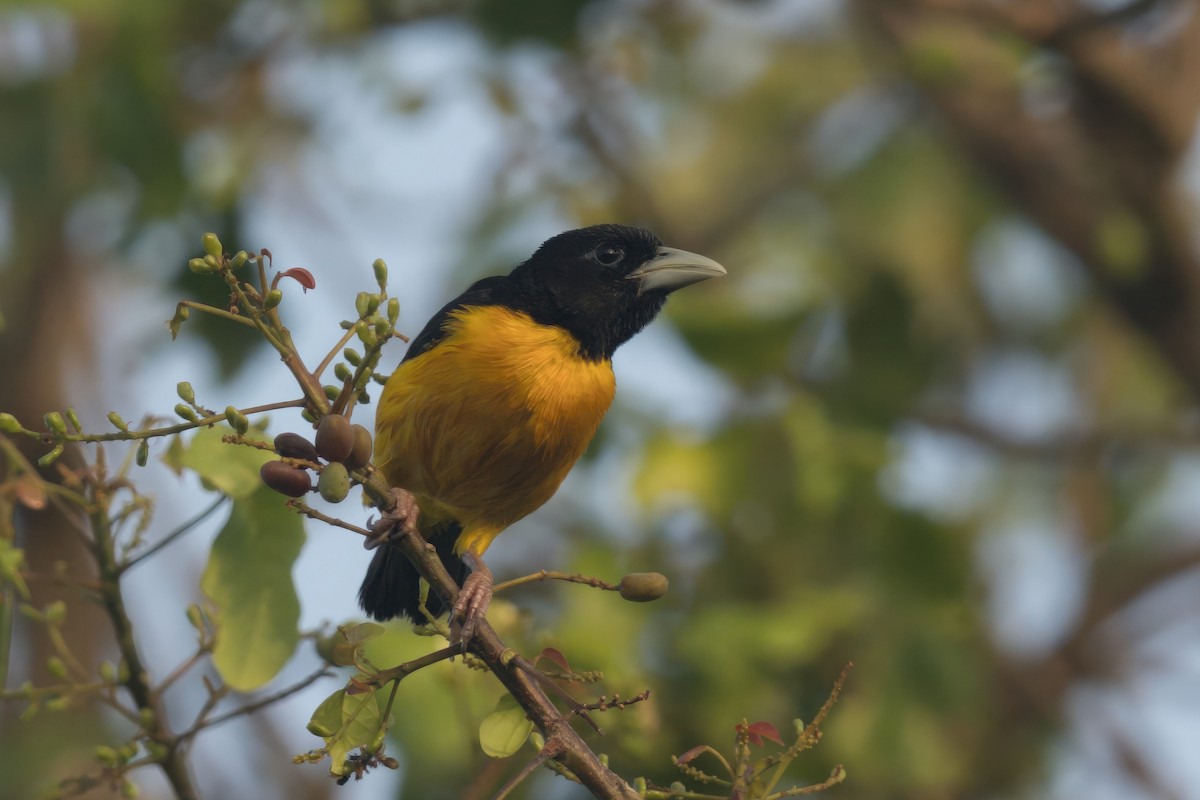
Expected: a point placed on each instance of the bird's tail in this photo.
(392, 585)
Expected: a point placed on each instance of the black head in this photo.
(605, 283)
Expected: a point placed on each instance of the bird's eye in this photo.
(608, 255)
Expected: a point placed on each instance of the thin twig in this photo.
(554, 575)
(173, 535)
(549, 751)
(250, 708)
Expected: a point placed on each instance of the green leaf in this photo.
(349, 639)
(327, 719)
(505, 730)
(227, 468)
(249, 580)
(348, 721)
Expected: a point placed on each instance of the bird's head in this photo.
(605, 283)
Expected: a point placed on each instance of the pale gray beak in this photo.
(673, 269)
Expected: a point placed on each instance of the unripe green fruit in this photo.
(360, 454)
(334, 483)
(273, 298)
(211, 245)
(285, 479)
(642, 587)
(143, 453)
(293, 445)
(335, 438)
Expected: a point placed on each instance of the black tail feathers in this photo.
(392, 585)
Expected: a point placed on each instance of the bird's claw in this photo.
(402, 520)
(472, 603)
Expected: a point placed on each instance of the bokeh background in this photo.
(940, 419)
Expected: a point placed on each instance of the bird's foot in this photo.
(402, 520)
(472, 602)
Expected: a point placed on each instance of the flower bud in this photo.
(51, 457)
(55, 613)
(341, 371)
(73, 418)
(212, 263)
(9, 423)
(237, 420)
(186, 393)
(393, 310)
(198, 266)
(143, 452)
(362, 303)
(380, 268)
(351, 355)
(117, 422)
(54, 421)
(211, 244)
(56, 667)
(273, 298)
(238, 260)
(186, 412)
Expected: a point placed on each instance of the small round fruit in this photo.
(642, 587)
(334, 483)
(293, 445)
(335, 438)
(360, 455)
(285, 479)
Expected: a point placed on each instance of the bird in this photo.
(500, 394)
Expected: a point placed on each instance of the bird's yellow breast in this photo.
(485, 425)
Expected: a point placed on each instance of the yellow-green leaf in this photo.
(228, 468)
(505, 730)
(249, 580)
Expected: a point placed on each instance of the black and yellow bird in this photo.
(500, 394)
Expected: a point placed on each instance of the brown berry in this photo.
(360, 456)
(293, 445)
(335, 438)
(285, 479)
(642, 587)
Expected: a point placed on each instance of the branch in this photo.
(561, 739)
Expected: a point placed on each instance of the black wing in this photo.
(493, 291)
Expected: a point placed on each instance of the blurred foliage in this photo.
(881, 291)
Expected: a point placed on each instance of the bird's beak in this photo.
(673, 269)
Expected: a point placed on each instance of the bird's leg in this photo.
(473, 599)
(401, 519)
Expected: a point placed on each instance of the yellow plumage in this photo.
(485, 426)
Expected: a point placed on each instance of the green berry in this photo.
(334, 483)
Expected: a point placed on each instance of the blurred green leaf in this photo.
(227, 468)
(249, 580)
(503, 732)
